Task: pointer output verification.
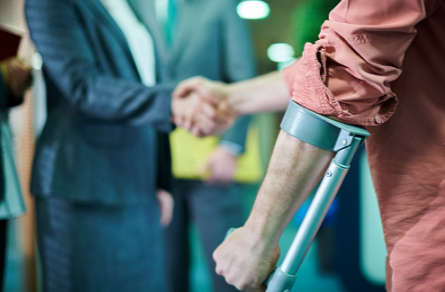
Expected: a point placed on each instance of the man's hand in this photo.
(197, 116)
(166, 205)
(16, 75)
(245, 261)
(221, 166)
(213, 92)
(201, 107)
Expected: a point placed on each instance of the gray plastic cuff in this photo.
(319, 130)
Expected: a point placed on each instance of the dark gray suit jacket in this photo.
(106, 133)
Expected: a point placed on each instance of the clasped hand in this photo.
(202, 107)
(244, 261)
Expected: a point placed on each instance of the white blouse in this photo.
(139, 39)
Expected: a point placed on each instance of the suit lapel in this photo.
(190, 15)
(101, 12)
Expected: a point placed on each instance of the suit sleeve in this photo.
(239, 64)
(348, 72)
(57, 33)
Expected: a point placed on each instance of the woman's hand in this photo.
(166, 204)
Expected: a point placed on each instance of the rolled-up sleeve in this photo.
(348, 72)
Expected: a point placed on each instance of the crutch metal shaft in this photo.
(285, 275)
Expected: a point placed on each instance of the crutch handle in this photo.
(230, 231)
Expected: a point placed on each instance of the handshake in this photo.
(203, 107)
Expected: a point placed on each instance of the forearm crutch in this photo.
(327, 134)
(330, 135)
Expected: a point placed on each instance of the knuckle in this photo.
(234, 280)
(216, 255)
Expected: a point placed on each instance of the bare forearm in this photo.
(295, 168)
(266, 93)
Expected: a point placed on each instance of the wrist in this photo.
(234, 98)
(263, 229)
(260, 235)
(231, 148)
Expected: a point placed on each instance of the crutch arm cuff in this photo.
(319, 130)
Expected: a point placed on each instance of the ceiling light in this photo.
(253, 9)
(280, 52)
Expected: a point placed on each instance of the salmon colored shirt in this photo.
(381, 64)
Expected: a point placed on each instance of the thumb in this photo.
(187, 86)
(198, 85)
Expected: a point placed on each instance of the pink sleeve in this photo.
(348, 72)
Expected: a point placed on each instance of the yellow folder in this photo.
(189, 155)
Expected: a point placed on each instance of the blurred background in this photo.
(349, 252)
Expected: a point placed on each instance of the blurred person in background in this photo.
(353, 73)
(102, 162)
(15, 78)
(205, 38)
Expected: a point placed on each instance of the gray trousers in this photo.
(214, 209)
(100, 248)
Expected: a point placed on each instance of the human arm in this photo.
(247, 257)
(322, 83)
(348, 73)
(237, 63)
(69, 56)
(266, 93)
